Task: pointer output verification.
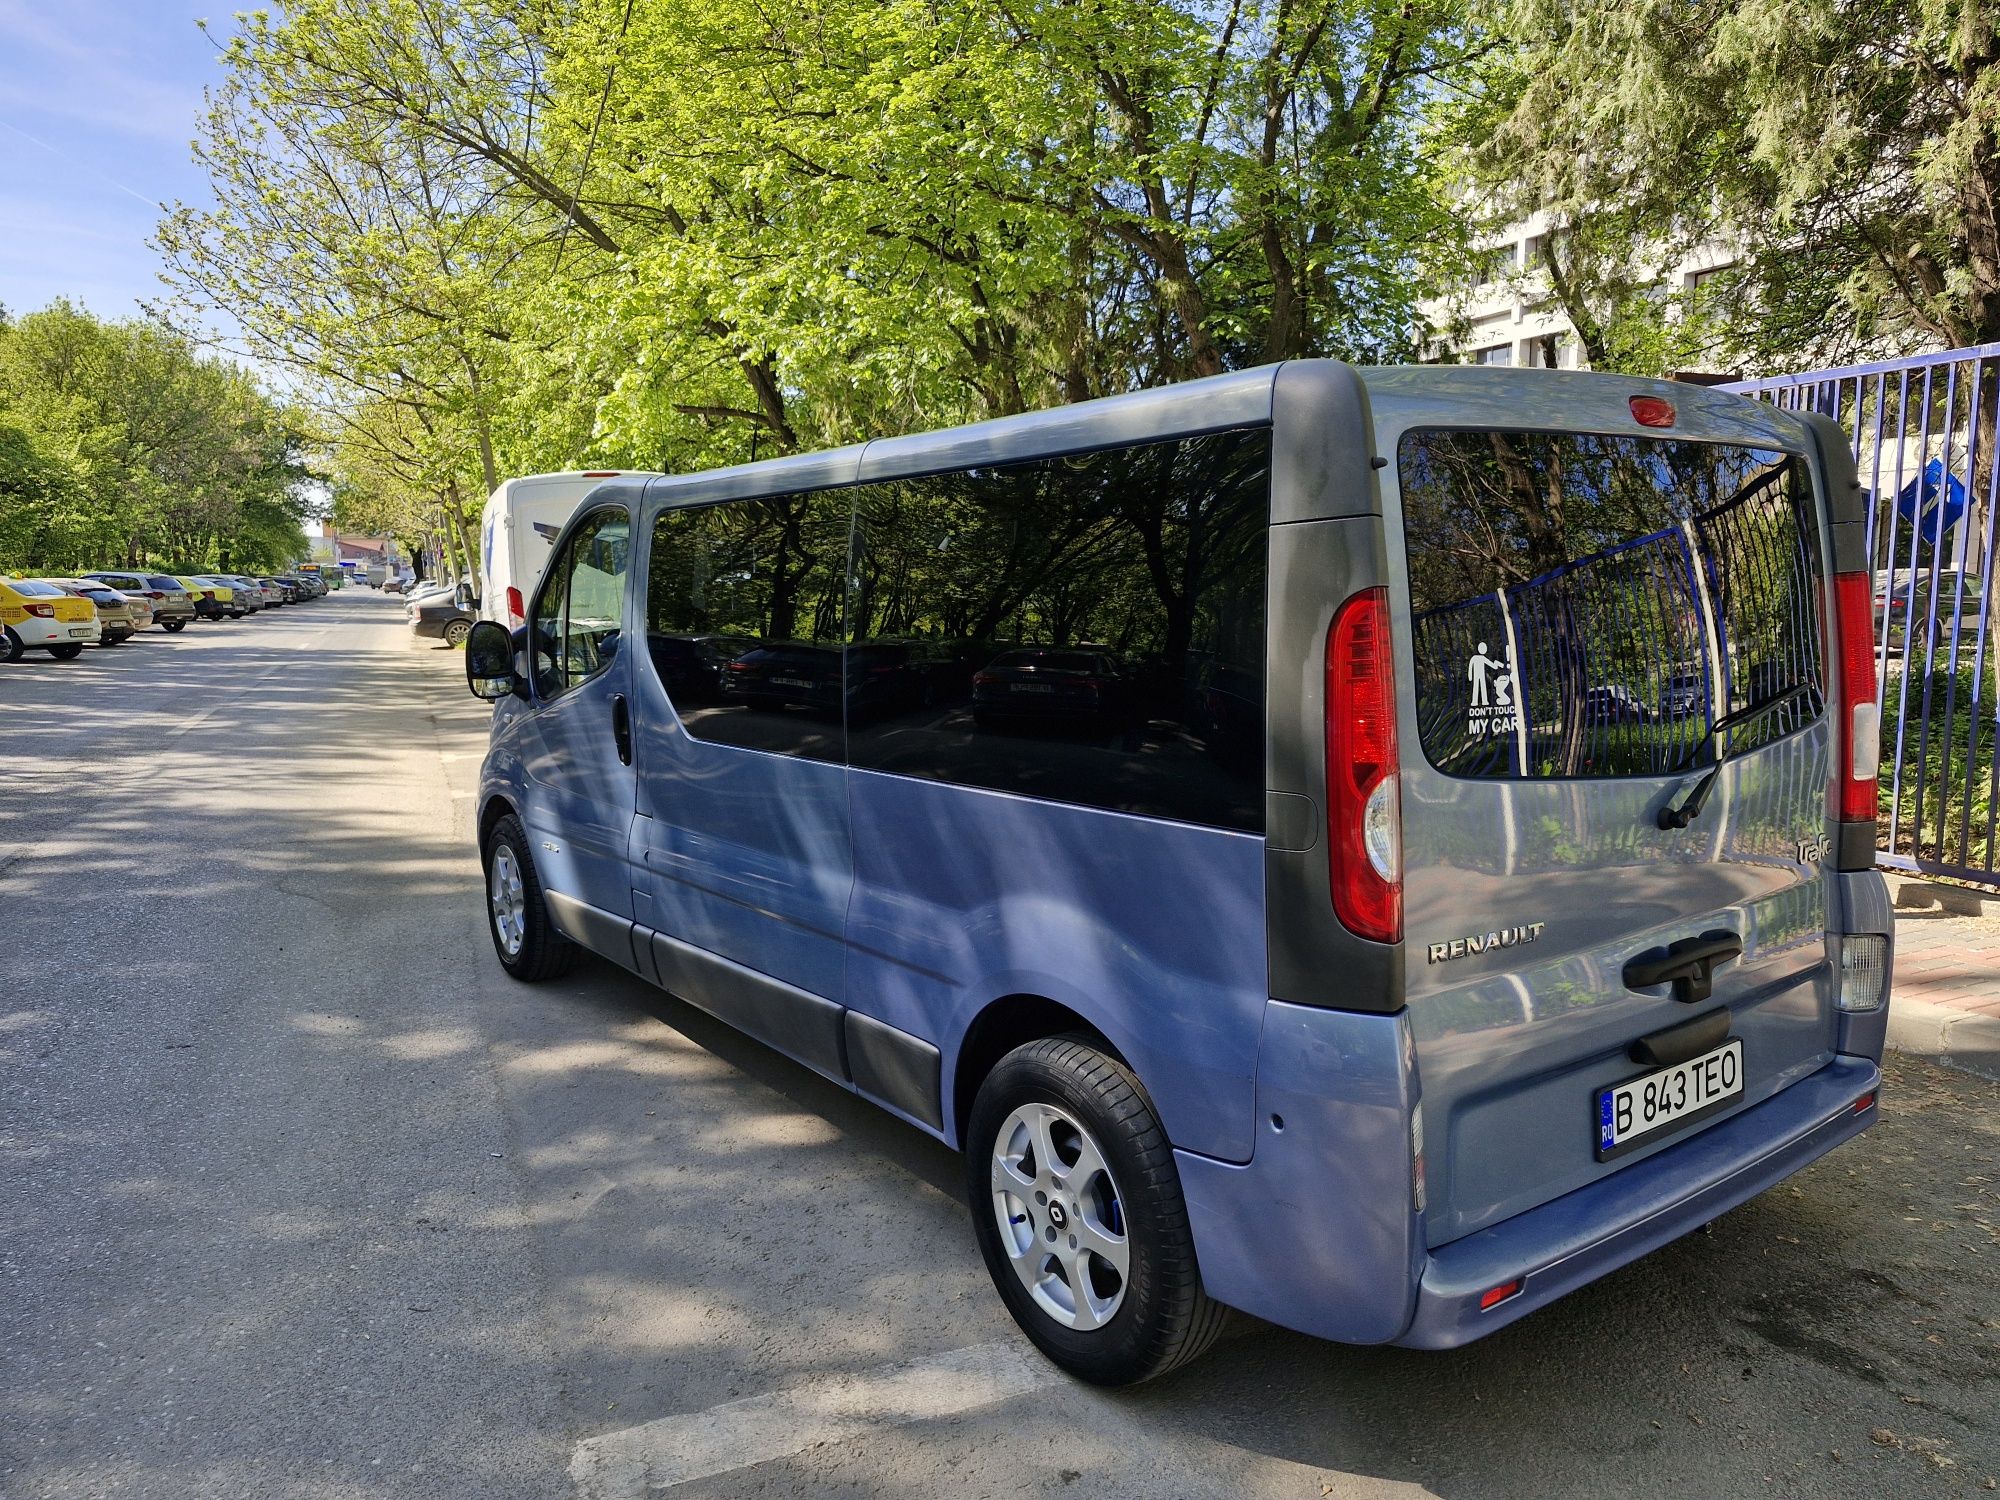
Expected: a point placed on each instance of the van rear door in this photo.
(1609, 629)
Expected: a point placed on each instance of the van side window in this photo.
(1087, 629)
(581, 607)
(1589, 605)
(744, 609)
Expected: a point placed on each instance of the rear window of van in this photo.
(1589, 605)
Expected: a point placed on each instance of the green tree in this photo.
(1849, 150)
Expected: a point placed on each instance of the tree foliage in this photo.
(655, 235)
(1847, 150)
(119, 444)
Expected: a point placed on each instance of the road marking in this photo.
(640, 1461)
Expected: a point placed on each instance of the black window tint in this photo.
(1595, 605)
(1086, 629)
(743, 620)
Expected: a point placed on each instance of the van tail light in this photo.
(42, 611)
(1364, 815)
(517, 608)
(1860, 748)
(1492, 1297)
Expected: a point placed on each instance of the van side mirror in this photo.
(489, 661)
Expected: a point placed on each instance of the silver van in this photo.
(1374, 848)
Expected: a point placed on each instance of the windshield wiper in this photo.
(1690, 808)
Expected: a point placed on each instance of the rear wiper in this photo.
(1690, 808)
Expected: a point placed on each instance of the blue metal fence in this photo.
(1923, 431)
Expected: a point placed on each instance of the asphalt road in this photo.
(300, 1197)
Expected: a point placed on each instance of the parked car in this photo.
(277, 591)
(392, 585)
(417, 593)
(36, 615)
(780, 674)
(211, 600)
(116, 613)
(171, 605)
(1048, 683)
(692, 666)
(238, 593)
(1961, 599)
(1614, 703)
(266, 595)
(1286, 1031)
(446, 616)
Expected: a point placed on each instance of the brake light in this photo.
(602, 473)
(517, 608)
(983, 679)
(42, 611)
(1652, 411)
(156, 593)
(1364, 814)
(1860, 716)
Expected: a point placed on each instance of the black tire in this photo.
(544, 953)
(1165, 1318)
(176, 626)
(237, 614)
(456, 632)
(67, 651)
(11, 645)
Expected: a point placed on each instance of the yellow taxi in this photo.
(37, 615)
(213, 599)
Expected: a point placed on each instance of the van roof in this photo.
(1444, 395)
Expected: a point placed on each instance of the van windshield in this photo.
(1590, 605)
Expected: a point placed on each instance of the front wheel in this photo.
(1079, 1214)
(68, 651)
(525, 940)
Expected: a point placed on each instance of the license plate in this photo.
(79, 630)
(797, 682)
(1034, 687)
(1641, 1109)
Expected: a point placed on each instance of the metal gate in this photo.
(1923, 433)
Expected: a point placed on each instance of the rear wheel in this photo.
(175, 625)
(68, 651)
(11, 646)
(1079, 1214)
(526, 942)
(456, 632)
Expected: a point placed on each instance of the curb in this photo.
(1959, 1039)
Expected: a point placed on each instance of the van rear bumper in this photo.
(1585, 1234)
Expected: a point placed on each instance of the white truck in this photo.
(518, 530)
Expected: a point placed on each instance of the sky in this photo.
(98, 104)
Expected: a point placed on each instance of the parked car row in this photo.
(107, 607)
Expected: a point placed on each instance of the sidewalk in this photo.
(1945, 1001)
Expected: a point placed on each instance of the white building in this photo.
(1507, 314)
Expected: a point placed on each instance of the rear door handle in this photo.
(621, 727)
(1689, 964)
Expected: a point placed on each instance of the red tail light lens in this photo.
(1652, 411)
(41, 611)
(1494, 1296)
(517, 608)
(1860, 747)
(1364, 818)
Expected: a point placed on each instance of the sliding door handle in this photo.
(621, 727)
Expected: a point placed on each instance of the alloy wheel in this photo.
(1061, 1218)
(504, 897)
